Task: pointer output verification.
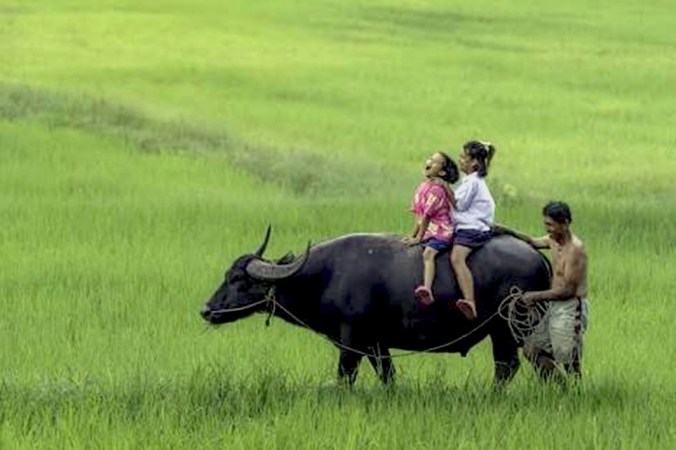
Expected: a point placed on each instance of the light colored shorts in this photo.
(561, 330)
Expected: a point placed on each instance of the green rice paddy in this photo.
(143, 147)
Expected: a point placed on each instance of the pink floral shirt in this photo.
(431, 200)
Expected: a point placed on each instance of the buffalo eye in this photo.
(237, 277)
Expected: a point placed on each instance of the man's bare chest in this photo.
(560, 258)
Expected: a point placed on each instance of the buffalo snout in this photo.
(205, 312)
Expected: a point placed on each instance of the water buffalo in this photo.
(357, 290)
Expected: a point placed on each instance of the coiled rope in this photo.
(522, 318)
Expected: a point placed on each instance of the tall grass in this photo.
(144, 147)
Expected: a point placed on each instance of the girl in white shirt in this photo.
(473, 214)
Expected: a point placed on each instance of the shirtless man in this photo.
(557, 339)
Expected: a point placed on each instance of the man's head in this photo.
(557, 218)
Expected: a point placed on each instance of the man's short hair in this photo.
(559, 211)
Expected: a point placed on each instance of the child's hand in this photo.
(410, 240)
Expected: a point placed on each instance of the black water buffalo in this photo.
(357, 290)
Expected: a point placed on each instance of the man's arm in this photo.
(567, 289)
(539, 243)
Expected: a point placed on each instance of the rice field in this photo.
(143, 147)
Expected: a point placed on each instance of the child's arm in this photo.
(463, 195)
(416, 228)
(422, 228)
(418, 231)
(411, 240)
(451, 195)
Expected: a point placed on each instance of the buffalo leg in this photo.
(382, 364)
(506, 358)
(348, 366)
(348, 363)
(544, 365)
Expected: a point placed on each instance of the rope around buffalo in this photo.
(520, 325)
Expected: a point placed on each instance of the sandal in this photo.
(424, 296)
(467, 308)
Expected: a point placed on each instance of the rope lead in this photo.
(521, 325)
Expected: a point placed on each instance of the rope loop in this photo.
(520, 317)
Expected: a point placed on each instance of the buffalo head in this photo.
(247, 283)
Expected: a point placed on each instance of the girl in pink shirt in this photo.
(432, 209)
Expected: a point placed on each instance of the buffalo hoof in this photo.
(335, 384)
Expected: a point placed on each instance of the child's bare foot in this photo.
(467, 307)
(424, 296)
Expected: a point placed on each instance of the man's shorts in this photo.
(471, 238)
(561, 330)
(436, 244)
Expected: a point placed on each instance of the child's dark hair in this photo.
(482, 152)
(452, 174)
(559, 211)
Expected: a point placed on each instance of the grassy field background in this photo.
(144, 147)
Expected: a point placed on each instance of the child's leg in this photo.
(429, 256)
(423, 293)
(462, 273)
(464, 276)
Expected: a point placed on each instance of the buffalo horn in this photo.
(264, 245)
(264, 270)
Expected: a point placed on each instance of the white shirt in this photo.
(475, 207)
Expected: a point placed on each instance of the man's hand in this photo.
(529, 298)
(498, 229)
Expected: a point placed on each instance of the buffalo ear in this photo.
(286, 259)
(269, 271)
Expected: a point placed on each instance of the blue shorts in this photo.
(436, 244)
(471, 238)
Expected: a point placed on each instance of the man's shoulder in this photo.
(577, 242)
(577, 246)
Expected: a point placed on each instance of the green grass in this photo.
(144, 147)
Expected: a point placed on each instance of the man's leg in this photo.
(537, 348)
(566, 329)
(580, 328)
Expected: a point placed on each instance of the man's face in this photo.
(553, 228)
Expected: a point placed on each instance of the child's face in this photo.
(434, 166)
(466, 163)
